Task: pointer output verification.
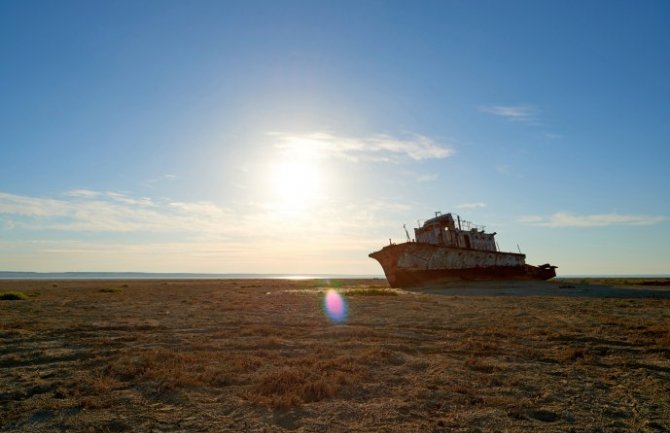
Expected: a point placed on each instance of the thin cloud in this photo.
(530, 219)
(125, 198)
(108, 212)
(190, 235)
(381, 147)
(427, 178)
(151, 182)
(565, 219)
(477, 205)
(86, 193)
(200, 208)
(31, 206)
(123, 213)
(517, 113)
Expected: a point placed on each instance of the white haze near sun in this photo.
(295, 177)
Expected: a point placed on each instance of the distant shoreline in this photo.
(11, 275)
(21, 275)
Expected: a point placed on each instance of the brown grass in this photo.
(287, 387)
(259, 355)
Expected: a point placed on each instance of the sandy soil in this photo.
(261, 356)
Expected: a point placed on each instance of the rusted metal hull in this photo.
(415, 264)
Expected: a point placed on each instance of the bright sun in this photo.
(295, 183)
(295, 176)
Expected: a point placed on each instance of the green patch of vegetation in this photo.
(372, 292)
(13, 296)
(111, 290)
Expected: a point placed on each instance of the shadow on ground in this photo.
(558, 288)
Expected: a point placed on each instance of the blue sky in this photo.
(299, 136)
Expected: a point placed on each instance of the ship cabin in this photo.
(444, 231)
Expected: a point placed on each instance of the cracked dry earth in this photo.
(260, 356)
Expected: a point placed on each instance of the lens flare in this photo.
(334, 306)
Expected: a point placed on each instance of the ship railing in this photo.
(467, 225)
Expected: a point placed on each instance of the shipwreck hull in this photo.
(413, 278)
(416, 264)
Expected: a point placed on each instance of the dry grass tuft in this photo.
(101, 384)
(664, 340)
(167, 368)
(570, 354)
(291, 387)
(480, 365)
(279, 382)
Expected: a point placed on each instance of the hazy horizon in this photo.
(296, 137)
(27, 275)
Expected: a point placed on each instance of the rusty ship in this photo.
(446, 250)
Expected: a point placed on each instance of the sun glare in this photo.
(295, 183)
(295, 176)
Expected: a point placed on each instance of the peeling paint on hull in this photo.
(414, 264)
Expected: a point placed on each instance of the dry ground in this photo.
(260, 356)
